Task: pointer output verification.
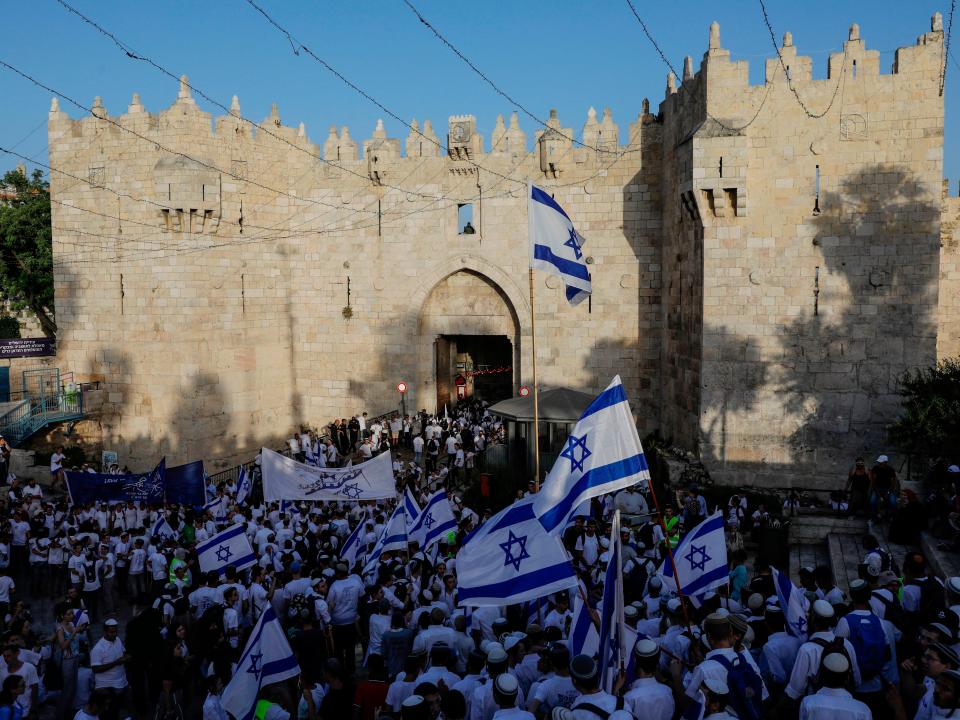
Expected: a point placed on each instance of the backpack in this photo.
(892, 610)
(746, 687)
(599, 711)
(645, 534)
(932, 598)
(869, 644)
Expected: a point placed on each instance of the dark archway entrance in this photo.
(482, 365)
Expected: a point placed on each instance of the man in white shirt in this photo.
(14, 665)
(714, 665)
(107, 659)
(832, 701)
(343, 601)
(807, 662)
(647, 697)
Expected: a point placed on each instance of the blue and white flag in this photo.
(603, 454)
(410, 505)
(584, 637)
(613, 642)
(394, 537)
(701, 559)
(161, 529)
(226, 548)
(793, 602)
(217, 507)
(434, 522)
(510, 559)
(354, 545)
(266, 659)
(244, 485)
(555, 245)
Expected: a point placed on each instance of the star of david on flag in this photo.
(266, 659)
(510, 559)
(603, 454)
(555, 246)
(230, 547)
(434, 522)
(701, 559)
(393, 537)
(162, 529)
(793, 602)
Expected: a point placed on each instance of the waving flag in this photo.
(555, 245)
(613, 642)
(244, 485)
(410, 505)
(394, 537)
(584, 638)
(794, 604)
(354, 546)
(603, 454)
(161, 528)
(434, 522)
(701, 559)
(226, 548)
(510, 559)
(266, 659)
(217, 507)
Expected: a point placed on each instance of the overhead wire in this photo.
(663, 56)
(946, 46)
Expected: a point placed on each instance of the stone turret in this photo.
(555, 142)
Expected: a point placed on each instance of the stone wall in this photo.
(760, 276)
(948, 335)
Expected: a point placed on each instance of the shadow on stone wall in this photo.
(869, 316)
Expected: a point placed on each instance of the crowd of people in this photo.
(141, 632)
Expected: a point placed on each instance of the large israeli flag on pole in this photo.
(555, 245)
(229, 547)
(794, 604)
(266, 659)
(434, 522)
(510, 559)
(603, 454)
(394, 537)
(701, 559)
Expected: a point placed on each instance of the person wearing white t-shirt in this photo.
(7, 587)
(13, 664)
(231, 618)
(57, 475)
(107, 659)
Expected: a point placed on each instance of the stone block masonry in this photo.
(760, 276)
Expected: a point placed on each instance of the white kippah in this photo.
(823, 609)
(506, 684)
(836, 662)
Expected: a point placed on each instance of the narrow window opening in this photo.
(816, 201)
(854, 69)
(465, 219)
(721, 167)
(788, 72)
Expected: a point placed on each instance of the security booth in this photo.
(559, 409)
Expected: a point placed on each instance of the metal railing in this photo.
(35, 411)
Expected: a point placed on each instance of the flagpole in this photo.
(619, 605)
(533, 348)
(673, 563)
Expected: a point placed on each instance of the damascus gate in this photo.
(760, 277)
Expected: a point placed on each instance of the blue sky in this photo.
(545, 53)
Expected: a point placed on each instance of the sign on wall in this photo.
(27, 347)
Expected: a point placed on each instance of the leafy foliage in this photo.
(929, 424)
(9, 327)
(26, 255)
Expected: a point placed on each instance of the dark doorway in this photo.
(482, 365)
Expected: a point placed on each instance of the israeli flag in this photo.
(584, 638)
(394, 537)
(353, 547)
(161, 529)
(794, 604)
(701, 559)
(244, 485)
(603, 454)
(226, 548)
(410, 505)
(613, 641)
(510, 559)
(434, 522)
(555, 245)
(266, 659)
(218, 508)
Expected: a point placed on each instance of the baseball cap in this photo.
(883, 458)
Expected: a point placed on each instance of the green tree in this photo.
(26, 255)
(929, 424)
